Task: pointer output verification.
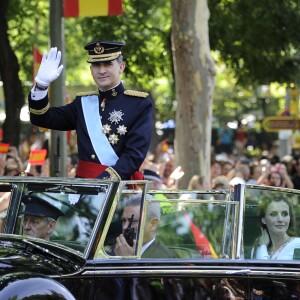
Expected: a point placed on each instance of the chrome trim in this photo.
(235, 230)
(275, 273)
(242, 271)
(100, 253)
(152, 272)
(176, 270)
(272, 188)
(240, 221)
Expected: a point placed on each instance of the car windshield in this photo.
(179, 224)
(61, 213)
(271, 223)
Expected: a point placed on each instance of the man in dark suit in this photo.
(138, 287)
(152, 246)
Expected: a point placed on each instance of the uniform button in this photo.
(93, 156)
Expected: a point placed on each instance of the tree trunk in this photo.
(194, 80)
(13, 92)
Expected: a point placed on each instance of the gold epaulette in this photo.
(136, 93)
(87, 93)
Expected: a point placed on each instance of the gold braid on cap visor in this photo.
(103, 57)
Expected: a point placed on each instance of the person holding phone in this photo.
(276, 241)
(152, 247)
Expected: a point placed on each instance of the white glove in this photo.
(49, 69)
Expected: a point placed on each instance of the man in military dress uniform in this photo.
(113, 124)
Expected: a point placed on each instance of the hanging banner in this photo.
(92, 8)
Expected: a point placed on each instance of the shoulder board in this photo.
(136, 93)
(87, 93)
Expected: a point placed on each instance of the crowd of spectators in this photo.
(227, 168)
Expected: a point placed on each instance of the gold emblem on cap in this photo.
(99, 49)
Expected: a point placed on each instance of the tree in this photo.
(12, 85)
(20, 21)
(235, 32)
(194, 81)
(258, 39)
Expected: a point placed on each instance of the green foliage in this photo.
(258, 39)
(145, 27)
(233, 101)
(28, 26)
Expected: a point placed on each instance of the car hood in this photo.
(18, 254)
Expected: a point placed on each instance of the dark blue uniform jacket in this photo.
(131, 147)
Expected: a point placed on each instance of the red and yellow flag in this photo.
(37, 156)
(203, 245)
(37, 59)
(4, 148)
(92, 8)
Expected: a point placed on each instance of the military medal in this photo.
(106, 129)
(113, 139)
(103, 104)
(116, 116)
(121, 130)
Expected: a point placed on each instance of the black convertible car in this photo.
(179, 244)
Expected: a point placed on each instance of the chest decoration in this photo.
(113, 139)
(122, 130)
(103, 104)
(106, 129)
(114, 118)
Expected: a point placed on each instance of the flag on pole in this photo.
(92, 8)
(203, 245)
(37, 59)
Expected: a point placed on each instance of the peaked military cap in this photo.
(36, 206)
(103, 51)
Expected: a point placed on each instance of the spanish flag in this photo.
(37, 156)
(203, 245)
(37, 59)
(92, 8)
(4, 148)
